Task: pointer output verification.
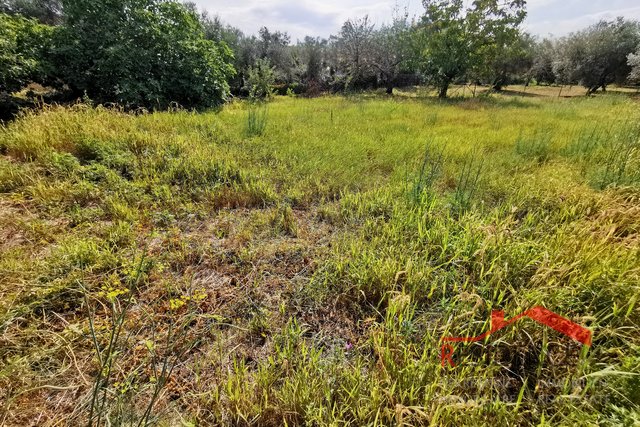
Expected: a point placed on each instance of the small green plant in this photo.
(256, 119)
(259, 84)
(430, 171)
(283, 220)
(468, 183)
(260, 81)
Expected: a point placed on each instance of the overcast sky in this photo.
(324, 17)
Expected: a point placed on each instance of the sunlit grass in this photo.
(304, 274)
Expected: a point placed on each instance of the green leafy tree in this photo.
(444, 43)
(140, 53)
(455, 41)
(260, 81)
(500, 49)
(23, 46)
(542, 62)
(597, 56)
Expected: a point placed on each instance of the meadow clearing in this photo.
(299, 264)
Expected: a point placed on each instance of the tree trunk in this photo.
(444, 88)
(389, 89)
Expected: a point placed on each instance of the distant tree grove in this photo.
(156, 53)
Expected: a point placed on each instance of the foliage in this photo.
(392, 50)
(272, 46)
(23, 47)
(147, 53)
(634, 63)
(500, 48)
(513, 64)
(354, 44)
(444, 43)
(597, 56)
(313, 52)
(260, 80)
(453, 40)
(542, 62)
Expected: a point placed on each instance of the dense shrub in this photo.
(147, 53)
(22, 46)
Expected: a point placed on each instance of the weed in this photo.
(430, 170)
(468, 183)
(256, 119)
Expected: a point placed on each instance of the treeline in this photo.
(152, 53)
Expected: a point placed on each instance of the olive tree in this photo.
(542, 62)
(354, 50)
(45, 11)
(634, 63)
(392, 50)
(597, 56)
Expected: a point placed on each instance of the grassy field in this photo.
(186, 269)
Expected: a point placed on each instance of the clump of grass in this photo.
(430, 170)
(467, 185)
(537, 147)
(256, 119)
(621, 159)
(610, 157)
(431, 119)
(586, 143)
(283, 220)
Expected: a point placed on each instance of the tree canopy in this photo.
(140, 53)
(23, 45)
(598, 56)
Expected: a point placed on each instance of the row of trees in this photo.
(595, 57)
(149, 53)
(451, 43)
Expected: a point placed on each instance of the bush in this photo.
(260, 81)
(147, 53)
(23, 43)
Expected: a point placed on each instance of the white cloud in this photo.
(563, 26)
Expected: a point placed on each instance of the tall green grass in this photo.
(305, 275)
